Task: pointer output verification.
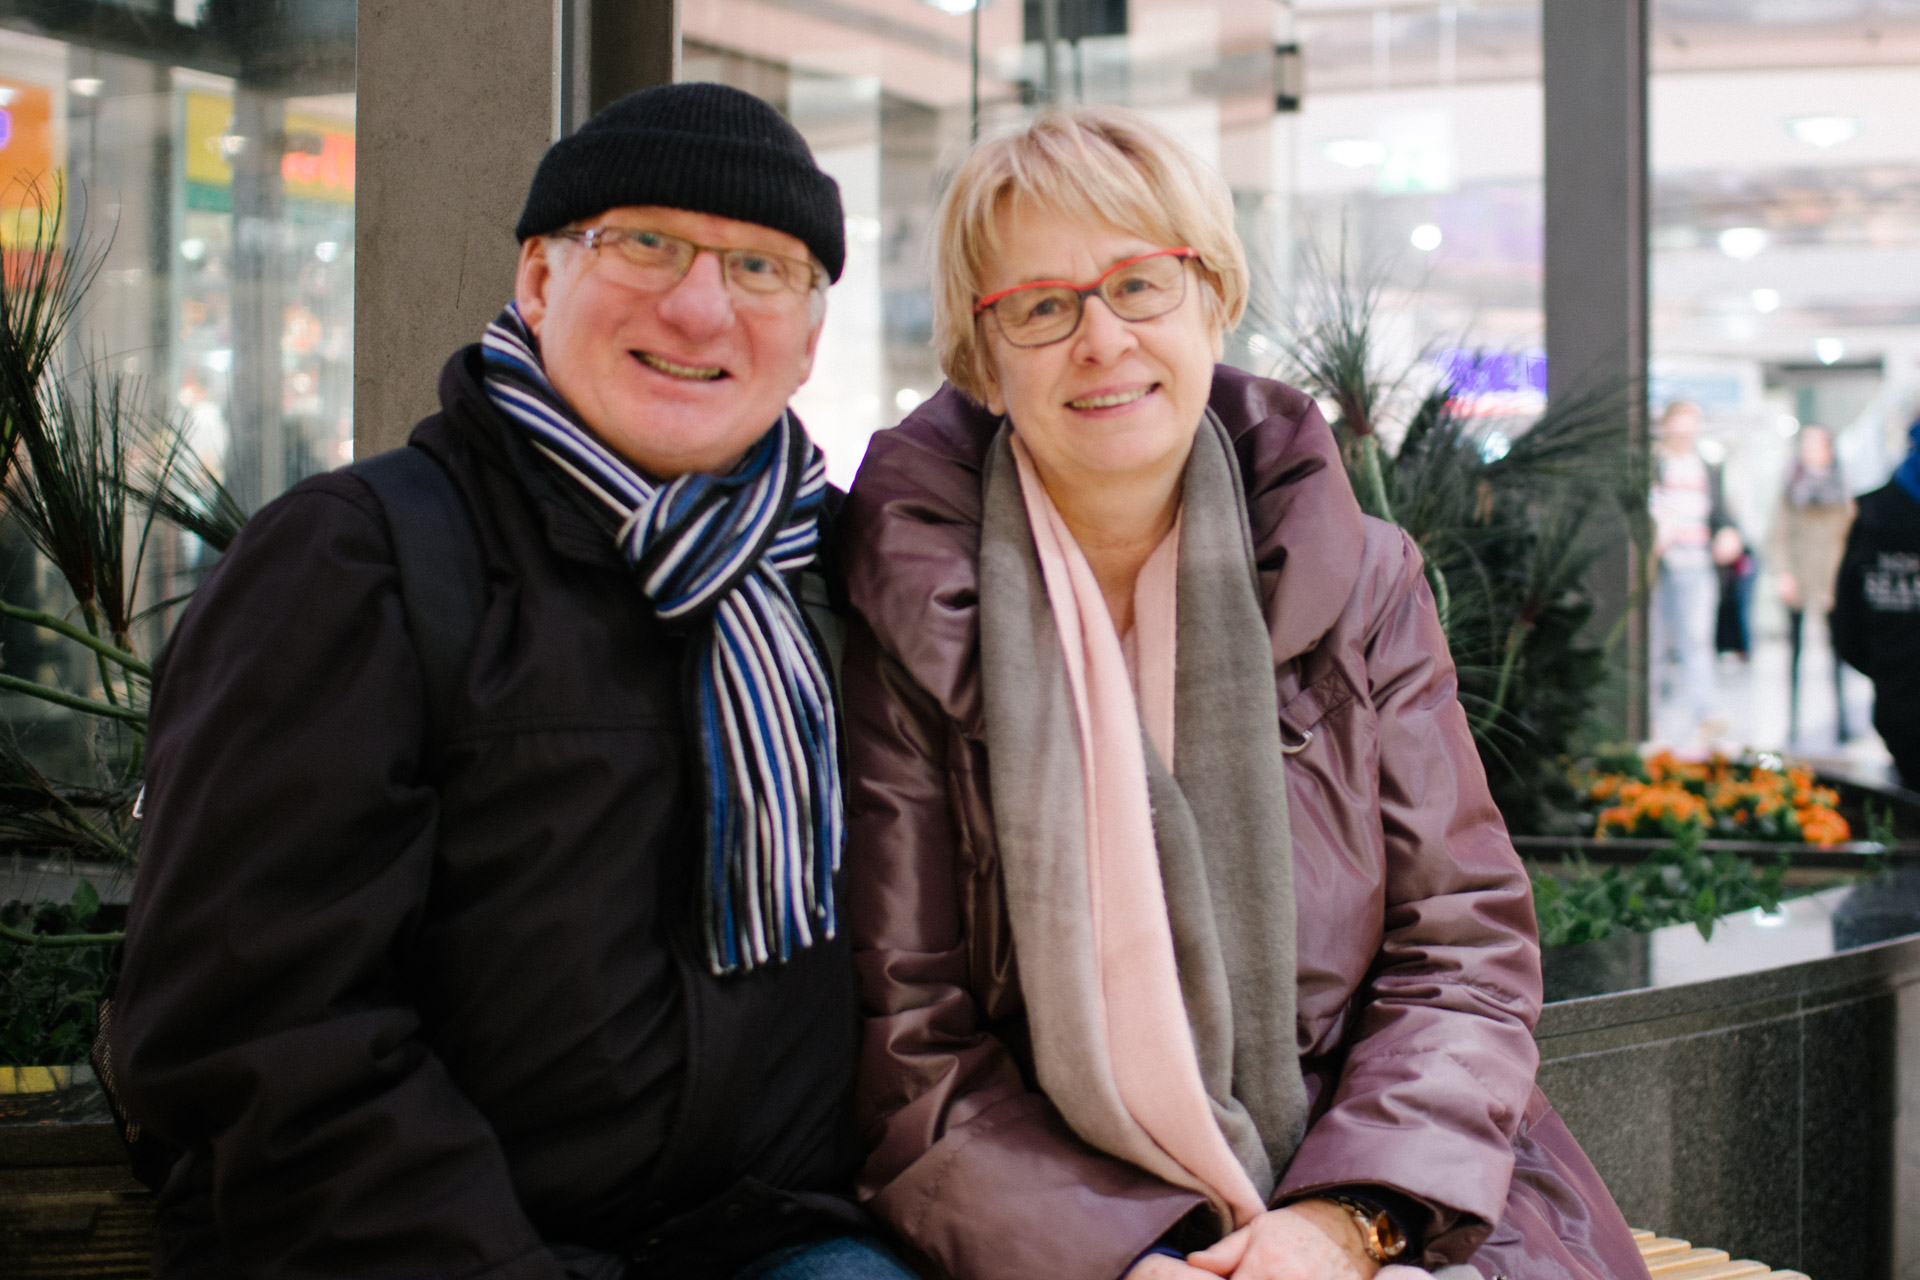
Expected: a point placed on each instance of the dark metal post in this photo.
(635, 45)
(1050, 40)
(1594, 55)
(973, 68)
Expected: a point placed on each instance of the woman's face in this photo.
(1816, 448)
(1114, 399)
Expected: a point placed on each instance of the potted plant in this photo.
(93, 479)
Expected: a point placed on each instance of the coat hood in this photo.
(911, 537)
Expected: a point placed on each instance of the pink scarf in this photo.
(1148, 1041)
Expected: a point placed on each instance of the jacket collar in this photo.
(573, 529)
(473, 423)
(911, 538)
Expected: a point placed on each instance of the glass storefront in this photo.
(1410, 134)
(1786, 276)
(207, 147)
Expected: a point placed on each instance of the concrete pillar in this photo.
(453, 116)
(1595, 70)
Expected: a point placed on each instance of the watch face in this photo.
(1392, 1243)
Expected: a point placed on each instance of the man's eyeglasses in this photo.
(656, 261)
(1034, 315)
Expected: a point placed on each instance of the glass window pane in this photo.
(1412, 130)
(1786, 276)
(207, 148)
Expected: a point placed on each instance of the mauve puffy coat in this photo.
(1419, 972)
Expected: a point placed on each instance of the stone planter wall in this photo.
(1775, 1115)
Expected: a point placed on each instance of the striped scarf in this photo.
(711, 553)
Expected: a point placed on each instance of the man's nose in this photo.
(699, 304)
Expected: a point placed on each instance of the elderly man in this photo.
(535, 975)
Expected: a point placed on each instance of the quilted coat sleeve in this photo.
(263, 1022)
(975, 1171)
(1440, 1061)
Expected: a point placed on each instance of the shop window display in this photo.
(206, 147)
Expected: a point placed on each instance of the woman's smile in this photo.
(1106, 402)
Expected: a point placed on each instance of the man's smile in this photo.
(688, 372)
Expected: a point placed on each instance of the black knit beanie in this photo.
(706, 148)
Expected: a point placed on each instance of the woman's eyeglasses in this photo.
(656, 261)
(1034, 315)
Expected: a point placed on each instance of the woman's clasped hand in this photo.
(1311, 1240)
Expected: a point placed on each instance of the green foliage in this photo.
(90, 472)
(1507, 529)
(50, 993)
(1677, 885)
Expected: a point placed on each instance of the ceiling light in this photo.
(1766, 301)
(1743, 243)
(1355, 153)
(85, 86)
(952, 6)
(1824, 131)
(1829, 350)
(1426, 237)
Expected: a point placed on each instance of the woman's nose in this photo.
(1102, 337)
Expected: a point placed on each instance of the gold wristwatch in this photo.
(1383, 1240)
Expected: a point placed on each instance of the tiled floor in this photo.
(1751, 698)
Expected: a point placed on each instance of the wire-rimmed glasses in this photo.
(1045, 311)
(656, 261)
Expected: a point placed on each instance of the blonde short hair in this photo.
(1098, 163)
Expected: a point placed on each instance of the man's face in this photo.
(675, 380)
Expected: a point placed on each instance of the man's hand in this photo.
(1311, 1240)
(1789, 588)
(1158, 1266)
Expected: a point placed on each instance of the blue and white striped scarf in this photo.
(711, 553)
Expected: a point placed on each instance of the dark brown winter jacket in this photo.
(418, 1020)
(1419, 971)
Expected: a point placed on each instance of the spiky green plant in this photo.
(1507, 535)
(90, 473)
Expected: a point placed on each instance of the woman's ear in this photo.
(990, 393)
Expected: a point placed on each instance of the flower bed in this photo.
(1759, 797)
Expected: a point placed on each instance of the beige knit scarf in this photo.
(1153, 915)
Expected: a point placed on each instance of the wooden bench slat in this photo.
(1722, 1269)
(1672, 1263)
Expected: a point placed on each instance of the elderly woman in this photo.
(1181, 908)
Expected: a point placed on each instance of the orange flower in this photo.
(1822, 826)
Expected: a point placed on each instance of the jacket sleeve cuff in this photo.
(1073, 1213)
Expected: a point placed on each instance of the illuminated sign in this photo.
(316, 154)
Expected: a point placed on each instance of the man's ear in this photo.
(813, 337)
(530, 281)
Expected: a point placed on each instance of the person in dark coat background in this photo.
(555, 989)
(1876, 629)
(1876, 608)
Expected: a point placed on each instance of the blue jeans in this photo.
(1686, 596)
(841, 1258)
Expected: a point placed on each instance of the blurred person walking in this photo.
(1687, 510)
(1876, 608)
(1809, 536)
